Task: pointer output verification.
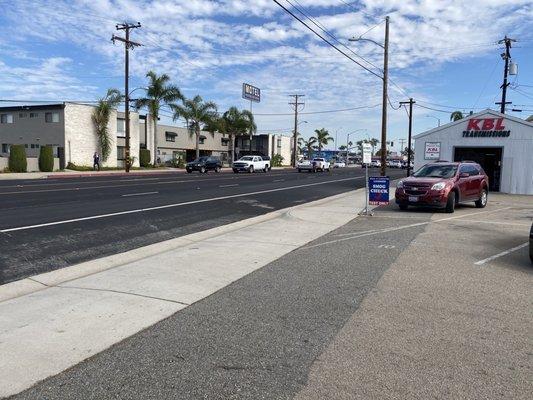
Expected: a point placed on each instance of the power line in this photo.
(325, 40)
(318, 112)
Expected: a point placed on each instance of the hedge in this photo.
(46, 159)
(17, 158)
(144, 157)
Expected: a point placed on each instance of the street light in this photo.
(385, 79)
(432, 116)
(348, 143)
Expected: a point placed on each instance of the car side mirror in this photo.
(464, 175)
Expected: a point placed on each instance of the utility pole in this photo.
(506, 56)
(385, 99)
(128, 44)
(410, 102)
(296, 104)
(402, 141)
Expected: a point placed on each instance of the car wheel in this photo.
(189, 170)
(299, 170)
(265, 170)
(235, 171)
(251, 169)
(450, 204)
(403, 207)
(217, 169)
(482, 202)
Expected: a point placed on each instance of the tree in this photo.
(456, 116)
(359, 145)
(322, 138)
(378, 153)
(100, 118)
(405, 151)
(159, 92)
(373, 142)
(198, 115)
(342, 147)
(310, 145)
(235, 122)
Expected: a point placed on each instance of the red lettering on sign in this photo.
(488, 124)
(499, 125)
(473, 124)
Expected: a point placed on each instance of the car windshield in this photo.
(436, 171)
(201, 159)
(318, 159)
(247, 158)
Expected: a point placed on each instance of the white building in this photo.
(500, 143)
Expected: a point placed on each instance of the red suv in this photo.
(443, 185)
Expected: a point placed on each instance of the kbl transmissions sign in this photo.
(251, 93)
(486, 127)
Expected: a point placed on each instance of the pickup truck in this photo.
(251, 164)
(316, 164)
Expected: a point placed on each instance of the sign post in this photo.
(367, 158)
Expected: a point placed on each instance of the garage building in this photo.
(500, 143)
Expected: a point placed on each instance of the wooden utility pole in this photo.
(506, 56)
(128, 44)
(409, 152)
(295, 104)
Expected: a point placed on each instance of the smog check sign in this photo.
(378, 190)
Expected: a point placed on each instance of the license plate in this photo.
(413, 198)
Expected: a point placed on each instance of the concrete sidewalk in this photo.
(55, 320)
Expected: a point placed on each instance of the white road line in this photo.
(138, 194)
(397, 228)
(503, 253)
(224, 186)
(278, 180)
(68, 221)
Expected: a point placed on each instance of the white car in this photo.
(339, 164)
(394, 164)
(251, 164)
(374, 164)
(316, 164)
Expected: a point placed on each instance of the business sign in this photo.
(251, 93)
(486, 127)
(432, 151)
(367, 153)
(378, 190)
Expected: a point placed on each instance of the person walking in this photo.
(96, 162)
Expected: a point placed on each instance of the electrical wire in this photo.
(316, 112)
(486, 83)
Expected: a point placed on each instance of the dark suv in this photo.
(443, 185)
(204, 164)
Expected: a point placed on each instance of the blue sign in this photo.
(378, 190)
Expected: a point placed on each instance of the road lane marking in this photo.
(139, 210)
(397, 228)
(278, 180)
(138, 194)
(232, 185)
(503, 253)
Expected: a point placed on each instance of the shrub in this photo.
(277, 160)
(17, 158)
(46, 159)
(178, 162)
(144, 158)
(75, 167)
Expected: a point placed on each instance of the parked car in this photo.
(374, 164)
(404, 165)
(314, 165)
(251, 164)
(394, 164)
(531, 244)
(443, 185)
(204, 164)
(339, 164)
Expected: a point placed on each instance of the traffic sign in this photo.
(367, 153)
(378, 190)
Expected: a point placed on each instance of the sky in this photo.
(444, 54)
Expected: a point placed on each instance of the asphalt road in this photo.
(255, 339)
(50, 224)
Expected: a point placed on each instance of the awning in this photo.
(171, 134)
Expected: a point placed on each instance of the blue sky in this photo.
(443, 53)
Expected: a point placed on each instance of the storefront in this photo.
(501, 144)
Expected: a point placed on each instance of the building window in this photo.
(6, 118)
(121, 153)
(170, 136)
(34, 115)
(224, 141)
(51, 117)
(5, 148)
(201, 139)
(23, 115)
(279, 142)
(121, 127)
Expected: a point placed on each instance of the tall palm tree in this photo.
(373, 142)
(322, 138)
(100, 118)
(456, 116)
(309, 144)
(159, 92)
(235, 122)
(198, 114)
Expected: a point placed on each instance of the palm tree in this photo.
(322, 138)
(309, 144)
(159, 92)
(100, 118)
(456, 116)
(373, 142)
(199, 115)
(235, 122)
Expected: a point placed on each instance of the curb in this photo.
(46, 280)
